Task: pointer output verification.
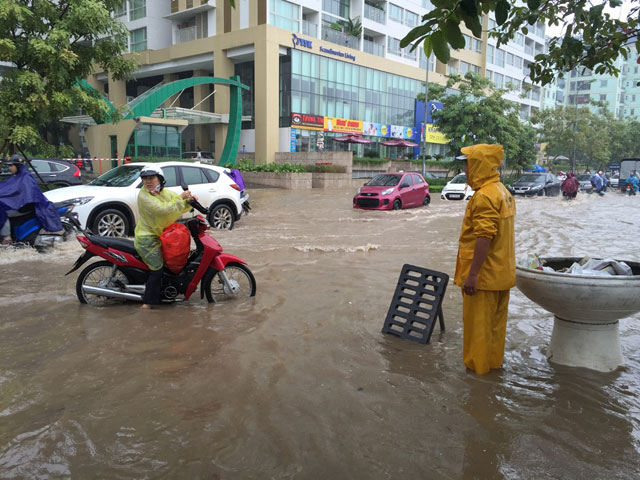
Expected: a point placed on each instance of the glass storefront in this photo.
(334, 88)
(154, 141)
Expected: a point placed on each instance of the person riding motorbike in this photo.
(633, 182)
(19, 190)
(570, 186)
(158, 208)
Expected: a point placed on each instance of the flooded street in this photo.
(298, 382)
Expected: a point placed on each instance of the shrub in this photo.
(368, 160)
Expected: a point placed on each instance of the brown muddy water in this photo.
(298, 382)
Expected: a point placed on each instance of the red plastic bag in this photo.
(176, 244)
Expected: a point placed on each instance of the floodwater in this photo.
(298, 382)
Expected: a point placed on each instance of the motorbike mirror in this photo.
(184, 186)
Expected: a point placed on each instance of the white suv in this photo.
(108, 205)
(457, 189)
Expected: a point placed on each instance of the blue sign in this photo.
(431, 108)
(300, 42)
(292, 137)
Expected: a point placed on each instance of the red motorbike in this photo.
(122, 274)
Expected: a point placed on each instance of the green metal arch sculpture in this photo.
(145, 104)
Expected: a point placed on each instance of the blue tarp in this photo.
(20, 189)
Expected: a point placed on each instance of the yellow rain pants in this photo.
(485, 326)
(156, 212)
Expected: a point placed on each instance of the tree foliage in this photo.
(479, 113)
(589, 139)
(591, 37)
(50, 44)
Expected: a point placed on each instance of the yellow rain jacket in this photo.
(156, 213)
(490, 214)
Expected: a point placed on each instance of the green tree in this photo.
(591, 37)
(577, 133)
(479, 113)
(51, 44)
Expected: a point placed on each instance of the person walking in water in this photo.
(486, 265)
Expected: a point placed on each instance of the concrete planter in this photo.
(289, 181)
(330, 180)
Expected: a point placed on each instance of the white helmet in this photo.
(151, 171)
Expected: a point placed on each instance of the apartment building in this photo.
(316, 69)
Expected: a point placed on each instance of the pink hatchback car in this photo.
(393, 191)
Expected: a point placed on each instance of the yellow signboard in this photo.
(342, 125)
(434, 135)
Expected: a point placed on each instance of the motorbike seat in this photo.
(122, 244)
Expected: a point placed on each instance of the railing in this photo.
(309, 28)
(395, 51)
(373, 48)
(375, 14)
(340, 38)
(407, 53)
(185, 34)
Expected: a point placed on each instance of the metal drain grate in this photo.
(416, 303)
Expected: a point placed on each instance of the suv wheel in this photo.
(110, 223)
(221, 217)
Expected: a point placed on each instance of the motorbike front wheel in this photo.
(241, 279)
(99, 274)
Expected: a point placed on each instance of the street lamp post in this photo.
(426, 103)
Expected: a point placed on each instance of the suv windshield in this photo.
(461, 178)
(385, 180)
(531, 178)
(122, 176)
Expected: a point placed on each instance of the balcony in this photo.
(373, 48)
(375, 14)
(310, 29)
(340, 38)
(186, 34)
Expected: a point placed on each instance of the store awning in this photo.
(194, 117)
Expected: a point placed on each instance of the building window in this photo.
(464, 68)
(138, 40)
(410, 19)
(336, 7)
(393, 46)
(395, 13)
(499, 57)
(467, 42)
(138, 9)
(284, 15)
(572, 86)
(492, 24)
(519, 39)
(475, 69)
(120, 10)
(603, 83)
(498, 79)
(477, 45)
(452, 67)
(510, 59)
(603, 98)
(633, 111)
(490, 53)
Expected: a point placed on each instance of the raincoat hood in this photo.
(482, 163)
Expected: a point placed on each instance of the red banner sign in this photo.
(307, 122)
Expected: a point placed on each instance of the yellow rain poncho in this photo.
(490, 214)
(156, 212)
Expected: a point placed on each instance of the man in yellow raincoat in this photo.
(157, 209)
(485, 267)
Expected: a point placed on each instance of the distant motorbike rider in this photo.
(570, 186)
(605, 181)
(19, 190)
(633, 181)
(596, 182)
(158, 208)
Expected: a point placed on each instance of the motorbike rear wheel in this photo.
(241, 278)
(99, 275)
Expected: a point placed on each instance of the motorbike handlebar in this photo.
(194, 203)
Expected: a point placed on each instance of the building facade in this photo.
(316, 69)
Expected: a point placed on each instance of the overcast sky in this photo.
(620, 13)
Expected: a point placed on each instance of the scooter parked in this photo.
(122, 274)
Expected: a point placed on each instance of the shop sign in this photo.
(434, 135)
(293, 140)
(300, 42)
(337, 53)
(406, 133)
(376, 129)
(320, 142)
(342, 125)
(307, 122)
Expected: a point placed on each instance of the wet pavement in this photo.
(298, 382)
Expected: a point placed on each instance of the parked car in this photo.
(393, 191)
(53, 172)
(530, 184)
(108, 205)
(614, 180)
(457, 189)
(584, 179)
(207, 157)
